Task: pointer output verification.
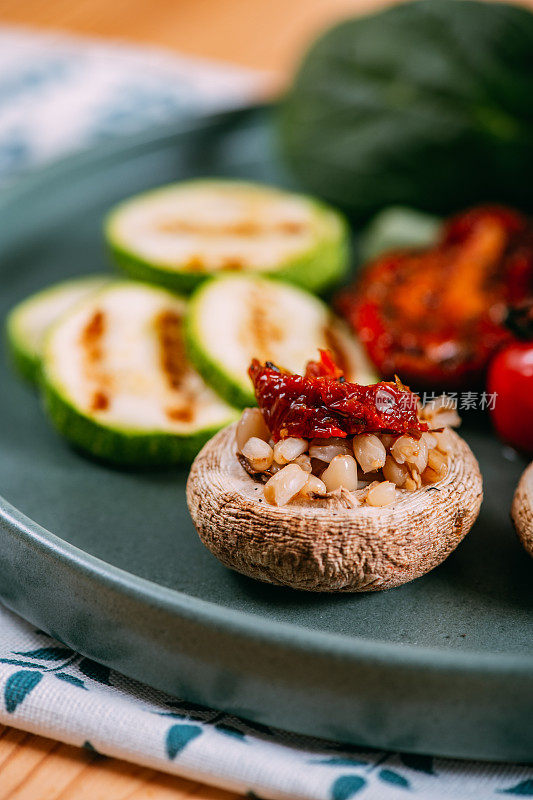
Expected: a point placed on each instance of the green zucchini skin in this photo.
(25, 359)
(120, 447)
(318, 270)
(27, 365)
(140, 270)
(235, 393)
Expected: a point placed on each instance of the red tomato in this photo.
(511, 378)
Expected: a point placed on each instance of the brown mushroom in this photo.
(522, 509)
(323, 545)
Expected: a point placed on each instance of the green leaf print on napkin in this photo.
(522, 789)
(179, 736)
(18, 686)
(347, 786)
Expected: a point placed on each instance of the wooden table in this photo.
(264, 34)
(34, 768)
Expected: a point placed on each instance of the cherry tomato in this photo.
(511, 378)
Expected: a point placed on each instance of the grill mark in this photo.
(174, 364)
(180, 414)
(91, 341)
(195, 263)
(233, 263)
(171, 350)
(229, 264)
(244, 228)
(91, 337)
(100, 401)
(259, 333)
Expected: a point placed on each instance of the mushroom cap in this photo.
(320, 545)
(522, 509)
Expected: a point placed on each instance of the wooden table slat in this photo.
(36, 768)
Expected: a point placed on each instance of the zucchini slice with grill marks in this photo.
(29, 321)
(233, 319)
(182, 233)
(117, 383)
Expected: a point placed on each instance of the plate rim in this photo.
(233, 621)
(108, 150)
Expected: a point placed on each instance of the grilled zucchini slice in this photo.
(29, 321)
(117, 383)
(236, 318)
(180, 234)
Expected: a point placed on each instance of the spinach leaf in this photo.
(427, 104)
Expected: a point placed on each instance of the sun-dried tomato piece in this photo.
(436, 316)
(319, 405)
(325, 367)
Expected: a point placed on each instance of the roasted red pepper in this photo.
(323, 404)
(435, 316)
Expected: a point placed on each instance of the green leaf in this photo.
(522, 789)
(179, 736)
(18, 663)
(46, 653)
(171, 714)
(98, 672)
(419, 763)
(389, 776)
(341, 762)
(347, 786)
(396, 107)
(63, 676)
(18, 686)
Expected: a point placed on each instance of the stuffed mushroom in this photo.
(334, 486)
(522, 509)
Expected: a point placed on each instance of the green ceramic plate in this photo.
(109, 562)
